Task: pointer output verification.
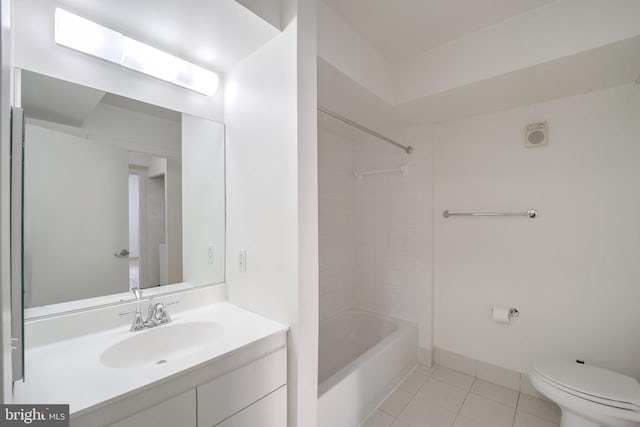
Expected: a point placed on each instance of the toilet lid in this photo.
(607, 387)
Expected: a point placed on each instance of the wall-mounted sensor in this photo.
(536, 135)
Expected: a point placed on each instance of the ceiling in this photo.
(403, 28)
(41, 99)
(214, 34)
(600, 68)
(417, 33)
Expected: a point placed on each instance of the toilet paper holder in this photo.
(513, 312)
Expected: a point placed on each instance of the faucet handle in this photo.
(158, 313)
(138, 322)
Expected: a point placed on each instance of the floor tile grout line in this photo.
(414, 396)
(468, 391)
(395, 418)
(464, 401)
(516, 410)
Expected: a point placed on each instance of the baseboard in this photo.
(425, 356)
(508, 378)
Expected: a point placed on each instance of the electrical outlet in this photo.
(210, 253)
(242, 261)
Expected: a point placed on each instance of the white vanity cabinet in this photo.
(226, 396)
(227, 377)
(177, 411)
(254, 394)
(247, 392)
(270, 411)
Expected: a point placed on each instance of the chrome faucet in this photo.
(138, 323)
(157, 315)
(137, 292)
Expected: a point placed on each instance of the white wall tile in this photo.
(392, 241)
(380, 226)
(336, 224)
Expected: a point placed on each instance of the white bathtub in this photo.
(362, 357)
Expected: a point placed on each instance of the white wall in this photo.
(306, 329)
(173, 224)
(393, 239)
(138, 131)
(203, 195)
(260, 113)
(270, 114)
(134, 216)
(344, 48)
(154, 222)
(336, 223)
(35, 50)
(573, 271)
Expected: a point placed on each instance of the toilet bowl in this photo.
(589, 396)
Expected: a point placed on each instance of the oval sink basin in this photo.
(161, 344)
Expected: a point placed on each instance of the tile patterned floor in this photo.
(441, 397)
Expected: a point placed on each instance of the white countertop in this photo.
(70, 371)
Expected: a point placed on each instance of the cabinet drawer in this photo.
(270, 411)
(177, 411)
(230, 393)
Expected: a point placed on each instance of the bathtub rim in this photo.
(402, 326)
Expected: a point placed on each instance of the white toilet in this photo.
(589, 396)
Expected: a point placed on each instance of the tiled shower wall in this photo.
(336, 222)
(392, 241)
(375, 233)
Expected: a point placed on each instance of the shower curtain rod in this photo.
(407, 149)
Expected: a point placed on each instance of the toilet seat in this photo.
(591, 383)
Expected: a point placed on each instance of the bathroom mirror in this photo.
(118, 194)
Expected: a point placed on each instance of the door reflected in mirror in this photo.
(104, 206)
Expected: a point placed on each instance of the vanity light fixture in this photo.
(88, 37)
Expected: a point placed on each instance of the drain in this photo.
(160, 362)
